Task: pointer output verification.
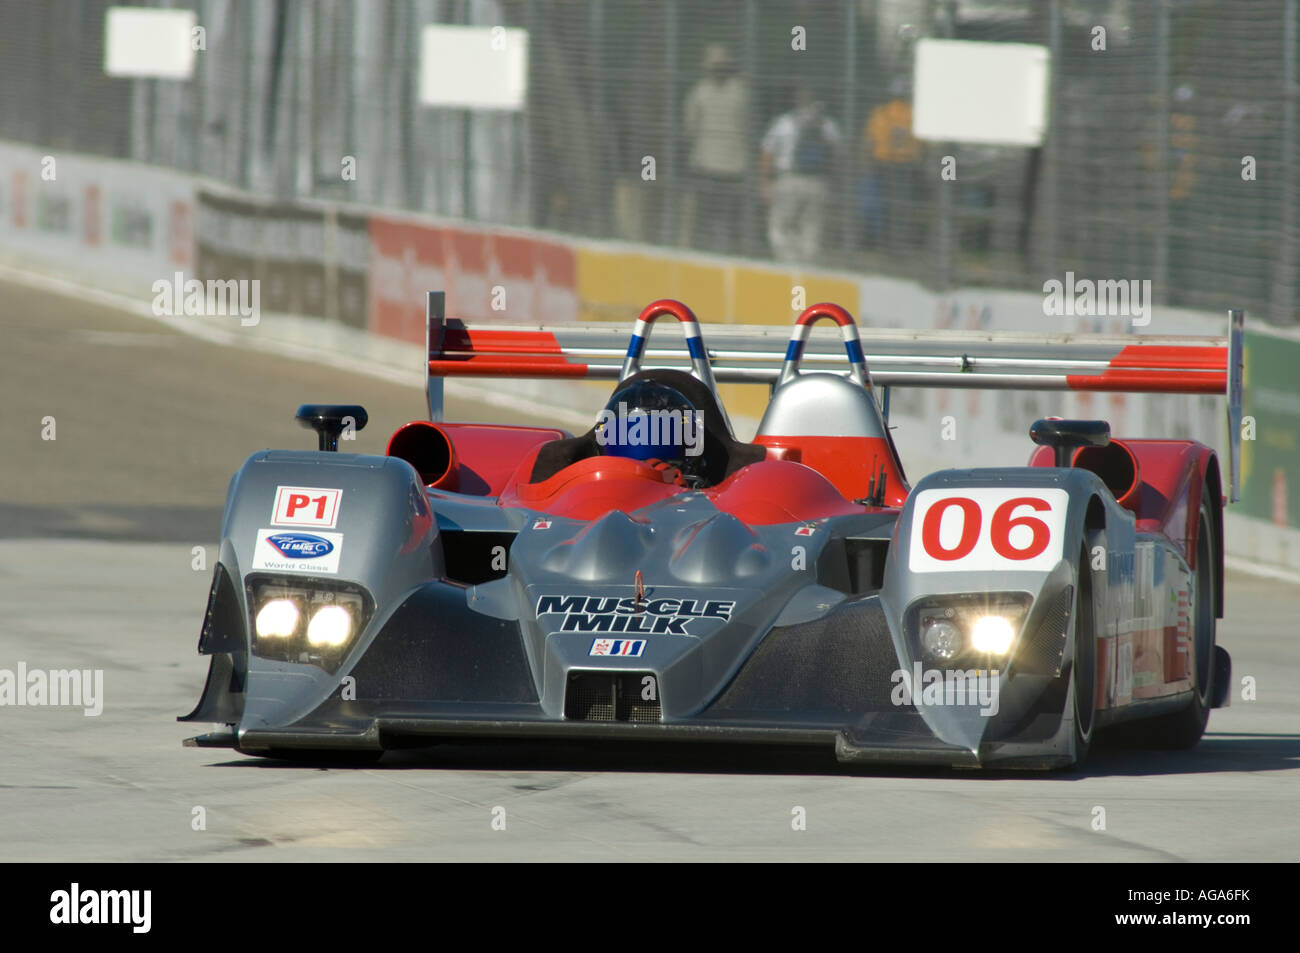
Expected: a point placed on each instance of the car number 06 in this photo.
(986, 528)
(999, 528)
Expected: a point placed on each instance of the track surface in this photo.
(97, 536)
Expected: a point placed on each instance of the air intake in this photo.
(1042, 652)
(613, 696)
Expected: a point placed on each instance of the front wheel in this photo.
(1083, 666)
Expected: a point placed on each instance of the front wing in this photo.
(438, 672)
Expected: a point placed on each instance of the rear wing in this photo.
(762, 355)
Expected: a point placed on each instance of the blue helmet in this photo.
(649, 421)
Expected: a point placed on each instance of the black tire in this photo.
(1184, 728)
(1083, 665)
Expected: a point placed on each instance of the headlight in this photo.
(277, 619)
(992, 634)
(329, 627)
(307, 621)
(966, 629)
(941, 639)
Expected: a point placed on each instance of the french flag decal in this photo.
(627, 647)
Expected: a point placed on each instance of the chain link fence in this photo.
(1171, 154)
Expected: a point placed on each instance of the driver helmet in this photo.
(650, 421)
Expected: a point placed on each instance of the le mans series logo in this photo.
(300, 545)
(626, 615)
(298, 551)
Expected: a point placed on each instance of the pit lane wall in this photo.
(340, 277)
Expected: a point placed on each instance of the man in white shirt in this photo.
(716, 115)
(800, 153)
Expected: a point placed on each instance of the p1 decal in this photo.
(281, 551)
(306, 506)
(625, 647)
(987, 529)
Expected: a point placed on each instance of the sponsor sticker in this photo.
(541, 524)
(306, 506)
(626, 647)
(805, 531)
(625, 615)
(987, 529)
(1124, 672)
(289, 551)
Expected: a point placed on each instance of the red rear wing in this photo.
(894, 358)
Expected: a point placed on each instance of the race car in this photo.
(657, 579)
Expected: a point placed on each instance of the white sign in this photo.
(139, 41)
(473, 67)
(995, 93)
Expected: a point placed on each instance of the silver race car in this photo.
(655, 578)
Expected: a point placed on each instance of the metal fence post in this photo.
(466, 143)
(947, 221)
(1161, 269)
(346, 45)
(848, 155)
(1282, 303)
(1052, 149)
(672, 194)
(245, 141)
(603, 217)
(524, 150)
(750, 223)
(198, 147)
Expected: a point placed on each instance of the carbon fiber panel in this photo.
(435, 649)
(842, 662)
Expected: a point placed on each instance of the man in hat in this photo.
(716, 117)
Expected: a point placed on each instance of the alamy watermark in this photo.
(175, 296)
(53, 688)
(641, 428)
(1083, 297)
(924, 687)
(74, 906)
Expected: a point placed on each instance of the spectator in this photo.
(892, 154)
(800, 152)
(716, 111)
(1190, 261)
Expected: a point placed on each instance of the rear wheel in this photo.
(1183, 729)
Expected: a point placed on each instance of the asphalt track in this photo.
(97, 535)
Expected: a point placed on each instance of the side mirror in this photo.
(330, 420)
(1066, 436)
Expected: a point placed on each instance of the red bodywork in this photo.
(770, 491)
(852, 464)
(1166, 496)
(478, 459)
(490, 460)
